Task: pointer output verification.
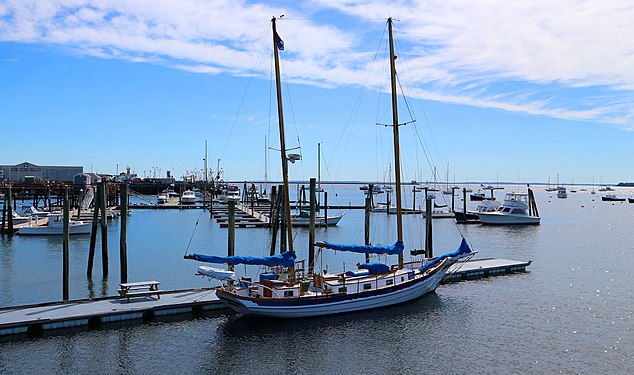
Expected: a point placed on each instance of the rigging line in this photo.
(235, 119)
(418, 98)
(194, 231)
(356, 108)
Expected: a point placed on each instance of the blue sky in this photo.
(518, 91)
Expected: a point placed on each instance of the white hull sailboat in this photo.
(285, 292)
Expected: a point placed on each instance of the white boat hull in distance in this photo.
(319, 221)
(327, 305)
(496, 218)
(83, 228)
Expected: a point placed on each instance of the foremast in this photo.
(397, 158)
(280, 114)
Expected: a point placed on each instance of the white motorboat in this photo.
(162, 198)
(320, 220)
(16, 218)
(188, 197)
(55, 226)
(230, 193)
(518, 208)
(561, 192)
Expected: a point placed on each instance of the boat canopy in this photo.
(462, 251)
(395, 249)
(286, 259)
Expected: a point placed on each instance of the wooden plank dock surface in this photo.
(91, 313)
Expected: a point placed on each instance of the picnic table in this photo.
(139, 289)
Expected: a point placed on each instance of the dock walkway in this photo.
(93, 313)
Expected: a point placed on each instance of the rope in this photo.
(194, 231)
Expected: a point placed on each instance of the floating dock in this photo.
(94, 313)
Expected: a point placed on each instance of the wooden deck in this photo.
(94, 313)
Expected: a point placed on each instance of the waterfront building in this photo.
(28, 172)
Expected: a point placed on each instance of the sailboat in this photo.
(286, 292)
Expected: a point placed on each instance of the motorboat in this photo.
(474, 216)
(188, 197)
(517, 209)
(162, 198)
(561, 192)
(612, 198)
(34, 211)
(17, 219)
(320, 220)
(55, 226)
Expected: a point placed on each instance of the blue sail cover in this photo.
(462, 251)
(395, 249)
(286, 259)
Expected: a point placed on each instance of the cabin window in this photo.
(343, 289)
(402, 278)
(518, 211)
(288, 293)
(389, 282)
(506, 209)
(367, 286)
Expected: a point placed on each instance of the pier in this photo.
(98, 312)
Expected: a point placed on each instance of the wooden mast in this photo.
(280, 114)
(397, 159)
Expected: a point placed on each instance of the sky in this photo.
(489, 90)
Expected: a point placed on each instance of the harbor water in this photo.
(570, 314)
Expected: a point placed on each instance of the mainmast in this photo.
(280, 114)
(397, 159)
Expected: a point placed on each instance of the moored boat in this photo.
(55, 226)
(612, 198)
(517, 209)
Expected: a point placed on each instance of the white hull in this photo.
(416, 290)
(83, 228)
(496, 218)
(319, 221)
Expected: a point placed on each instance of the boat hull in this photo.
(303, 307)
(494, 218)
(319, 221)
(44, 230)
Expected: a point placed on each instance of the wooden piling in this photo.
(93, 232)
(81, 199)
(326, 209)
(311, 232)
(368, 207)
(66, 251)
(464, 203)
(104, 230)
(232, 230)
(429, 243)
(9, 204)
(123, 244)
(4, 212)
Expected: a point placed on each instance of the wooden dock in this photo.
(95, 313)
(485, 267)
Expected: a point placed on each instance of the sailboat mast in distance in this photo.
(397, 158)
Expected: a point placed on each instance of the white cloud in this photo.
(568, 59)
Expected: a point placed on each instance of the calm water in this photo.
(571, 314)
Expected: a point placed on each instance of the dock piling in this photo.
(66, 251)
(123, 244)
